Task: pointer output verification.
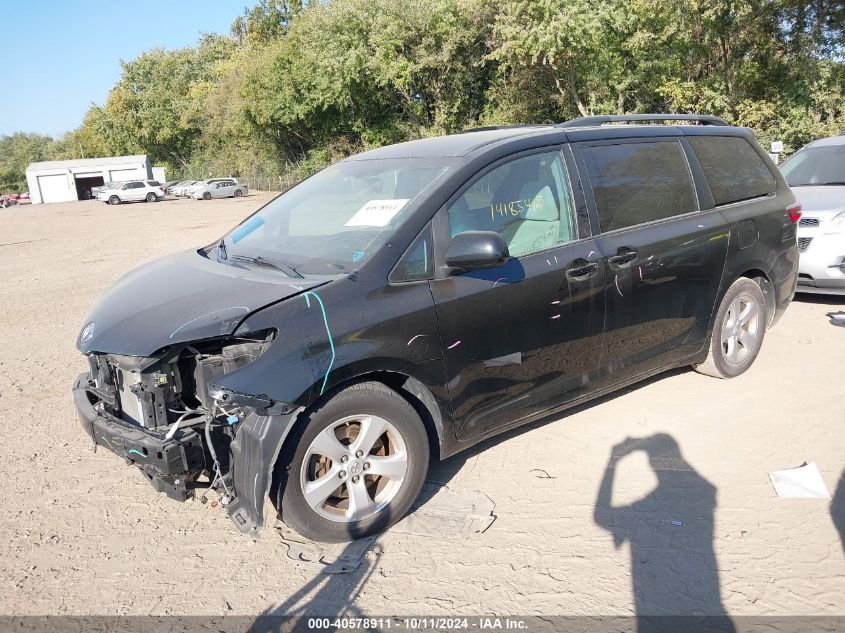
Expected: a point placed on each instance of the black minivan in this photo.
(410, 301)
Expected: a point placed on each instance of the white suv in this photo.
(132, 191)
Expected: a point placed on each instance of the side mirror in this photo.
(473, 250)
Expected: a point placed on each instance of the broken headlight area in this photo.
(162, 413)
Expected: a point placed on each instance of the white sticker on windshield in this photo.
(377, 212)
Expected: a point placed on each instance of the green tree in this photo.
(17, 151)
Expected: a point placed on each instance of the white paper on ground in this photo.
(377, 212)
(804, 482)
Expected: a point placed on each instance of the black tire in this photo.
(114, 200)
(151, 197)
(367, 398)
(238, 193)
(719, 364)
(206, 195)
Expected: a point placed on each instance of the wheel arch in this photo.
(760, 277)
(411, 389)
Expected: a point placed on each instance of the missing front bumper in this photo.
(170, 465)
(173, 465)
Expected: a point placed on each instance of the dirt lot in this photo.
(84, 534)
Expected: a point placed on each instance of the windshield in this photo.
(328, 223)
(816, 166)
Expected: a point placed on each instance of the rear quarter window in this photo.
(733, 169)
(635, 183)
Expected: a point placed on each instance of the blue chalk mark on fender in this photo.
(328, 333)
(358, 255)
(136, 451)
(246, 228)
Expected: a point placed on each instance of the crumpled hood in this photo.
(181, 298)
(813, 199)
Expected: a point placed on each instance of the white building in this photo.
(64, 180)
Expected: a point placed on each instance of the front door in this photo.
(664, 258)
(522, 337)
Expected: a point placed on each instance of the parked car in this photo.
(95, 191)
(408, 302)
(181, 190)
(168, 187)
(227, 188)
(8, 201)
(132, 191)
(816, 174)
(200, 184)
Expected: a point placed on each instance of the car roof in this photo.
(453, 145)
(831, 140)
(465, 143)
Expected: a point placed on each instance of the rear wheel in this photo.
(737, 331)
(238, 193)
(114, 200)
(206, 196)
(359, 464)
(151, 197)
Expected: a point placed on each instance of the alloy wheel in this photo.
(354, 468)
(740, 329)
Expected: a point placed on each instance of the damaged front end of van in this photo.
(161, 348)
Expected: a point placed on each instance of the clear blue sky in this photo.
(59, 56)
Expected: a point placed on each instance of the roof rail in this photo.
(587, 121)
(487, 128)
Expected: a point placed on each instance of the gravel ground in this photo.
(694, 524)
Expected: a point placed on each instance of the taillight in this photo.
(794, 212)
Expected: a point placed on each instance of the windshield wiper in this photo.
(266, 263)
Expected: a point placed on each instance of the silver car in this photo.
(219, 188)
(816, 174)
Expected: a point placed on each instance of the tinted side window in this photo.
(635, 183)
(732, 168)
(416, 263)
(154, 183)
(527, 201)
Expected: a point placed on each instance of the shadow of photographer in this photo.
(674, 573)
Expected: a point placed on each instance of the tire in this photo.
(333, 518)
(114, 200)
(738, 331)
(238, 193)
(206, 195)
(151, 197)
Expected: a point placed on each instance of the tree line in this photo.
(296, 85)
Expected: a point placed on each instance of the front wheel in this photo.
(357, 467)
(114, 200)
(737, 331)
(206, 196)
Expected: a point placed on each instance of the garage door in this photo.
(55, 189)
(119, 175)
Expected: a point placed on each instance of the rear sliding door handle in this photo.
(579, 273)
(623, 259)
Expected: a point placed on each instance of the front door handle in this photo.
(580, 273)
(622, 260)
